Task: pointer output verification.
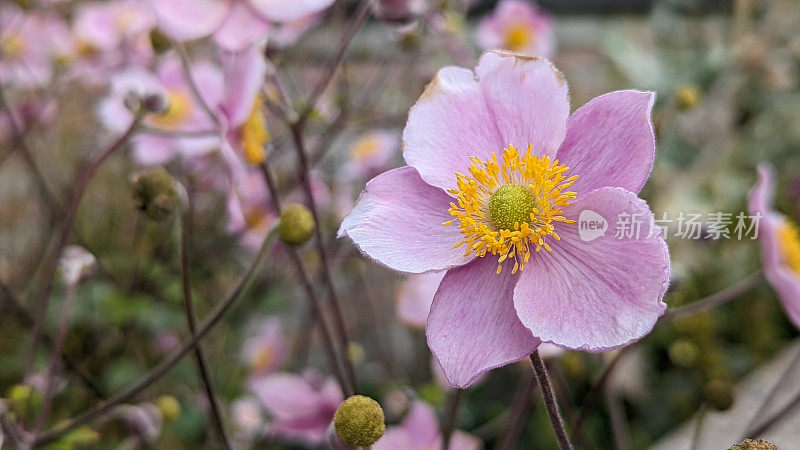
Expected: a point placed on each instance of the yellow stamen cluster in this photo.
(178, 110)
(482, 235)
(263, 359)
(365, 148)
(789, 241)
(517, 37)
(255, 134)
(12, 46)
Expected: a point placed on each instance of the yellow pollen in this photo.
(12, 46)
(518, 37)
(255, 134)
(255, 219)
(789, 242)
(507, 208)
(365, 147)
(263, 359)
(178, 110)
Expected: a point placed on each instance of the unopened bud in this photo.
(296, 225)
(155, 103)
(24, 401)
(359, 421)
(81, 437)
(133, 102)
(160, 42)
(170, 408)
(155, 193)
(751, 444)
(687, 96)
(719, 394)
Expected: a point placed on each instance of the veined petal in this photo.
(241, 29)
(244, 77)
(398, 222)
(597, 294)
(610, 142)
(472, 326)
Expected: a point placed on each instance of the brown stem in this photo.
(202, 366)
(550, 402)
(51, 264)
(170, 361)
(456, 395)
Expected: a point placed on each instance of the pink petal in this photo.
(421, 423)
(288, 10)
(398, 222)
(473, 327)
(529, 99)
(461, 440)
(186, 20)
(449, 123)
(396, 438)
(244, 76)
(610, 142)
(285, 395)
(416, 296)
(785, 281)
(600, 294)
(241, 29)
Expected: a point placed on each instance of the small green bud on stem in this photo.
(359, 421)
(297, 224)
(155, 193)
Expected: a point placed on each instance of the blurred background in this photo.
(726, 78)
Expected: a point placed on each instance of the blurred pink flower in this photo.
(415, 297)
(183, 113)
(250, 214)
(31, 44)
(518, 26)
(583, 294)
(110, 36)
(247, 416)
(372, 153)
(420, 430)
(301, 407)
(780, 244)
(286, 34)
(235, 24)
(266, 350)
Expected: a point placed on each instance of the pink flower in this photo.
(419, 430)
(183, 114)
(30, 46)
(372, 153)
(415, 297)
(518, 26)
(250, 214)
(235, 24)
(247, 416)
(501, 295)
(266, 350)
(780, 244)
(301, 407)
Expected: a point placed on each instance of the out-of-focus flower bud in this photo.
(75, 263)
(170, 408)
(296, 225)
(24, 401)
(133, 102)
(145, 420)
(81, 437)
(156, 103)
(683, 352)
(397, 402)
(155, 192)
(355, 352)
(359, 421)
(750, 444)
(687, 96)
(160, 41)
(719, 394)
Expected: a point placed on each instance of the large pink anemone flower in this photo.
(780, 244)
(528, 209)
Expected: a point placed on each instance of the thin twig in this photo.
(456, 395)
(202, 366)
(336, 360)
(170, 361)
(550, 402)
(40, 303)
(717, 299)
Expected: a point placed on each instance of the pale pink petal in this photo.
(597, 294)
(473, 327)
(785, 281)
(610, 142)
(288, 10)
(449, 123)
(461, 440)
(398, 222)
(285, 395)
(241, 29)
(416, 296)
(421, 423)
(244, 76)
(396, 438)
(529, 99)
(186, 20)
(152, 150)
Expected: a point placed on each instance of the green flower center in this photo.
(510, 204)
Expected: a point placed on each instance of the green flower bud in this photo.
(719, 394)
(687, 96)
(155, 193)
(359, 421)
(296, 225)
(683, 352)
(750, 444)
(81, 437)
(169, 407)
(24, 401)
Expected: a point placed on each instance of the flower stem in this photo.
(550, 402)
(202, 366)
(456, 395)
